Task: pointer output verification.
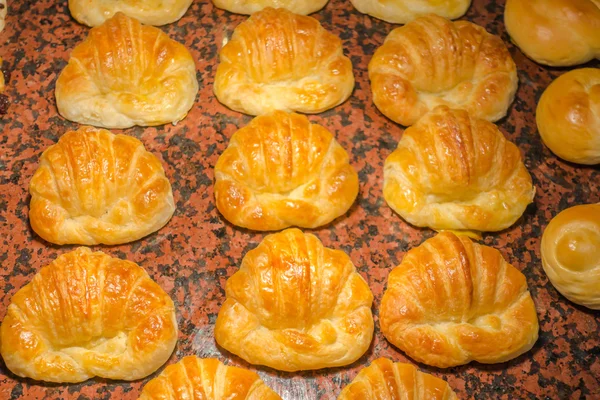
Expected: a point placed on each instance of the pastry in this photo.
(127, 74)
(94, 187)
(555, 32)
(195, 378)
(3, 10)
(87, 314)
(571, 254)
(432, 61)
(452, 171)
(280, 171)
(296, 305)
(302, 7)
(277, 60)
(404, 11)
(452, 301)
(568, 116)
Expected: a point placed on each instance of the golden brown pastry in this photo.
(195, 378)
(452, 301)
(127, 74)
(404, 11)
(280, 171)
(386, 380)
(568, 116)
(277, 60)
(296, 305)
(302, 7)
(571, 254)
(94, 187)
(555, 32)
(452, 171)
(87, 314)
(432, 61)
(3, 10)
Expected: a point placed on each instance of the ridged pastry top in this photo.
(302, 7)
(404, 11)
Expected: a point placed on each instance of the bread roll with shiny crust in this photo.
(127, 74)
(432, 61)
(87, 314)
(95, 187)
(296, 305)
(555, 32)
(277, 60)
(568, 116)
(302, 7)
(404, 11)
(282, 171)
(452, 301)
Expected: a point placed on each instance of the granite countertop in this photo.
(192, 257)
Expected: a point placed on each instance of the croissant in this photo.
(432, 61)
(296, 305)
(280, 171)
(195, 378)
(386, 380)
(127, 74)
(87, 314)
(302, 7)
(453, 171)
(452, 301)
(277, 60)
(404, 11)
(95, 187)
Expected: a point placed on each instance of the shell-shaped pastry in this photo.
(432, 61)
(452, 171)
(127, 74)
(195, 378)
(404, 11)
(87, 314)
(301, 7)
(277, 60)
(282, 171)
(296, 305)
(452, 301)
(95, 187)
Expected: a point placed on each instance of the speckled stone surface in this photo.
(194, 254)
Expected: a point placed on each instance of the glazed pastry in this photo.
(3, 10)
(195, 378)
(296, 305)
(277, 60)
(452, 301)
(386, 380)
(127, 74)
(87, 314)
(301, 7)
(571, 254)
(432, 61)
(94, 187)
(404, 11)
(555, 32)
(452, 171)
(568, 116)
(281, 171)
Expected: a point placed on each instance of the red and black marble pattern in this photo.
(194, 254)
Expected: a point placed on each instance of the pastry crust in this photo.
(432, 61)
(307, 302)
(87, 314)
(127, 74)
(404, 11)
(301, 7)
(277, 60)
(95, 187)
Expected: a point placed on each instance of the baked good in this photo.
(280, 171)
(568, 116)
(296, 305)
(195, 378)
(301, 7)
(87, 314)
(95, 187)
(127, 74)
(404, 11)
(555, 32)
(386, 380)
(452, 171)
(571, 254)
(432, 61)
(452, 301)
(277, 60)
(3, 10)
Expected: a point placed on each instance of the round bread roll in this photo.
(568, 116)
(404, 11)
(432, 61)
(302, 7)
(87, 314)
(571, 254)
(555, 32)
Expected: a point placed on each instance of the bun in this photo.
(301, 7)
(404, 11)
